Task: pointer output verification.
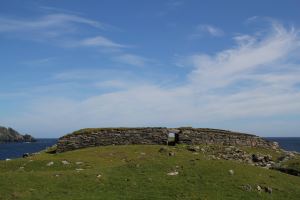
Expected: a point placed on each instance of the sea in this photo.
(287, 143)
(16, 150)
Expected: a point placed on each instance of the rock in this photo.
(258, 188)
(99, 176)
(193, 148)
(255, 158)
(50, 163)
(163, 150)
(79, 169)
(231, 172)
(7, 159)
(143, 153)
(268, 190)
(171, 153)
(247, 187)
(25, 155)
(227, 149)
(268, 158)
(79, 163)
(175, 173)
(65, 162)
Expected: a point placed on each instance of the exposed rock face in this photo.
(11, 135)
(151, 135)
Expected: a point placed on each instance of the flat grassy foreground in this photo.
(139, 172)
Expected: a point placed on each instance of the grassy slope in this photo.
(138, 172)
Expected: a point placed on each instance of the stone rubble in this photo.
(50, 163)
(234, 153)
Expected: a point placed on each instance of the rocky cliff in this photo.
(158, 135)
(11, 135)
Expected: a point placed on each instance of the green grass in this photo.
(138, 172)
(292, 164)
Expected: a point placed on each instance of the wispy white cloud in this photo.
(38, 62)
(206, 29)
(60, 29)
(255, 78)
(50, 21)
(132, 59)
(99, 41)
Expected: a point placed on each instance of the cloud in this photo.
(99, 41)
(170, 6)
(254, 80)
(132, 59)
(60, 29)
(174, 4)
(205, 29)
(50, 21)
(38, 62)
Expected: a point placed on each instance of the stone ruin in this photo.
(159, 136)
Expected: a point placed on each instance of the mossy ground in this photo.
(138, 172)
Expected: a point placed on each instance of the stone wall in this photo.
(152, 135)
(112, 136)
(224, 137)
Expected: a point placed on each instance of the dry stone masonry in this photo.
(158, 135)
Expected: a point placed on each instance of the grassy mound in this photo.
(140, 172)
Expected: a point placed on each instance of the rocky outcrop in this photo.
(158, 135)
(11, 135)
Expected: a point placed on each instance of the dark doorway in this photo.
(172, 139)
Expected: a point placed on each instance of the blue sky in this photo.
(72, 64)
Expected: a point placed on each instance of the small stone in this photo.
(227, 149)
(7, 159)
(258, 188)
(99, 176)
(79, 163)
(163, 150)
(143, 153)
(247, 187)
(79, 169)
(268, 190)
(65, 162)
(171, 153)
(50, 163)
(25, 155)
(193, 148)
(231, 172)
(175, 173)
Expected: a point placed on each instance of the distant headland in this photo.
(11, 135)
